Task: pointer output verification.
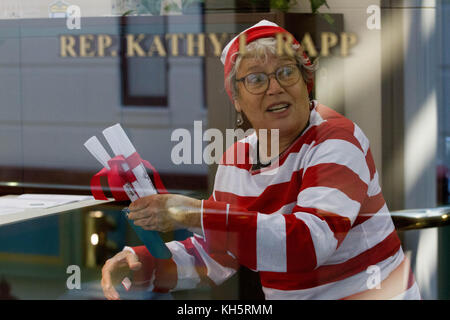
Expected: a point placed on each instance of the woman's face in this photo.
(283, 108)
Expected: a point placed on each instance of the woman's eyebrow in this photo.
(253, 68)
(287, 59)
(258, 67)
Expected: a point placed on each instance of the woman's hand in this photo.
(115, 270)
(166, 212)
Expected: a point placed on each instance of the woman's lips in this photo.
(278, 108)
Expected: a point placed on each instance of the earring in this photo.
(239, 119)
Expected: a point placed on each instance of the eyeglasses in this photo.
(258, 83)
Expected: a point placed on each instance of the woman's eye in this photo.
(256, 78)
(285, 72)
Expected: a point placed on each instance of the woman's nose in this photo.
(274, 86)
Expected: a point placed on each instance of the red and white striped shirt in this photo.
(314, 225)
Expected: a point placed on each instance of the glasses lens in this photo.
(256, 82)
(288, 75)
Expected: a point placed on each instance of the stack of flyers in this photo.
(140, 186)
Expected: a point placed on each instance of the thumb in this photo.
(133, 262)
(135, 266)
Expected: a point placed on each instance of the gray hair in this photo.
(261, 48)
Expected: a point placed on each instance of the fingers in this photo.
(150, 218)
(138, 204)
(115, 269)
(156, 222)
(107, 284)
(151, 223)
(146, 223)
(141, 213)
(156, 201)
(133, 262)
(150, 212)
(144, 202)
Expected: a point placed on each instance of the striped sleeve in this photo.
(334, 183)
(190, 266)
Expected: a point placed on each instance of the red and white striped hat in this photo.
(263, 29)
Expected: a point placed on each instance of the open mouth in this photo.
(278, 108)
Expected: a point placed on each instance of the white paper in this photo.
(40, 201)
(63, 198)
(6, 211)
(96, 149)
(99, 152)
(27, 204)
(121, 145)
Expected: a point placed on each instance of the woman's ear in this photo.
(237, 106)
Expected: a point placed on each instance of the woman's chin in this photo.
(281, 122)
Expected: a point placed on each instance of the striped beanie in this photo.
(263, 29)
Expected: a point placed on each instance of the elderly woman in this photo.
(311, 219)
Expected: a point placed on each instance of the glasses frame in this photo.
(268, 75)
